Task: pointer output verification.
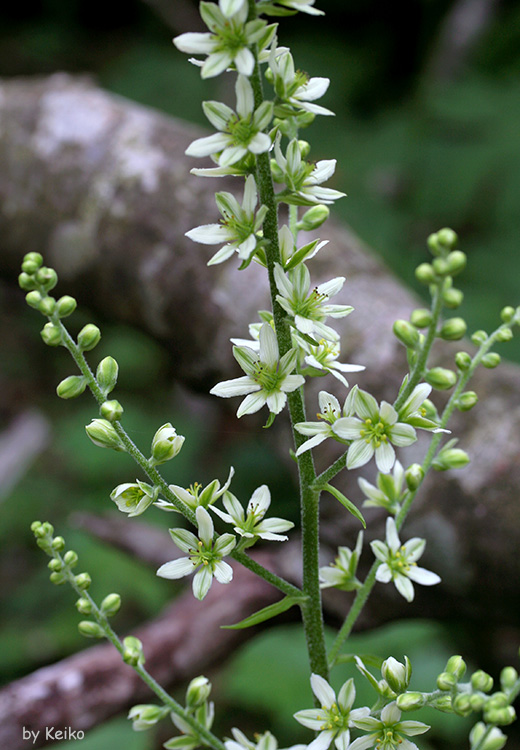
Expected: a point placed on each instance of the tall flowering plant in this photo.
(258, 141)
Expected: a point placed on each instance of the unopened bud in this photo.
(47, 278)
(305, 148)
(443, 703)
(453, 329)
(414, 475)
(446, 681)
(410, 701)
(198, 692)
(421, 317)
(463, 361)
(111, 604)
(479, 337)
(57, 578)
(106, 374)
(111, 410)
(504, 334)
(452, 298)
(502, 716)
(466, 401)
(441, 267)
(91, 629)
(55, 564)
(441, 378)
(51, 334)
(166, 444)
(88, 337)
(480, 680)
(103, 434)
(314, 218)
(84, 606)
(425, 273)
(33, 299)
(65, 306)
(491, 360)
(58, 543)
(507, 314)
(26, 282)
(406, 333)
(72, 386)
(456, 261)
(133, 651)
(456, 666)
(477, 701)
(47, 306)
(452, 458)
(396, 674)
(83, 581)
(508, 678)
(462, 704)
(447, 238)
(486, 738)
(32, 262)
(70, 558)
(144, 716)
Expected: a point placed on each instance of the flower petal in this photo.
(322, 690)
(202, 582)
(177, 568)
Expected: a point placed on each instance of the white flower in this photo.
(413, 412)
(342, 573)
(291, 255)
(205, 557)
(268, 379)
(265, 741)
(294, 88)
(399, 562)
(228, 40)
(374, 432)
(134, 498)
(330, 412)
(238, 227)
(239, 133)
(324, 358)
(335, 717)
(305, 6)
(252, 523)
(387, 733)
(303, 180)
(196, 494)
(309, 308)
(389, 491)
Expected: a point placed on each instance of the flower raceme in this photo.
(268, 378)
(205, 557)
(238, 228)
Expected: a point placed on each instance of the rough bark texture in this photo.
(102, 188)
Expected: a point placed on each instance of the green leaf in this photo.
(301, 254)
(346, 502)
(272, 610)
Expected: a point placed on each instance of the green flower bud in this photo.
(507, 314)
(57, 578)
(134, 499)
(505, 334)
(106, 374)
(198, 692)
(36, 527)
(47, 306)
(443, 703)
(44, 544)
(413, 476)
(463, 361)
(84, 606)
(446, 681)
(166, 444)
(32, 262)
(425, 273)
(421, 318)
(456, 261)
(477, 701)
(65, 306)
(447, 238)
(91, 629)
(410, 701)
(508, 678)
(70, 558)
(491, 360)
(497, 700)
(479, 337)
(88, 337)
(494, 740)
(33, 299)
(480, 680)
(406, 333)
(72, 386)
(452, 458)
(502, 716)
(55, 564)
(452, 298)
(39, 529)
(102, 433)
(440, 378)
(396, 674)
(26, 282)
(111, 604)
(144, 716)
(453, 329)
(111, 410)
(466, 401)
(314, 218)
(441, 267)
(58, 543)
(46, 277)
(433, 244)
(83, 581)
(456, 666)
(133, 651)
(462, 704)
(51, 334)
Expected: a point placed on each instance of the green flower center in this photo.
(374, 432)
(203, 555)
(389, 740)
(267, 377)
(242, 130)
(398, 562)
(334, 719)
